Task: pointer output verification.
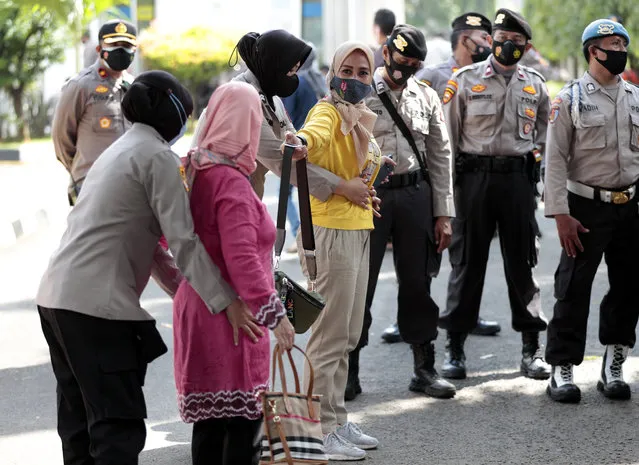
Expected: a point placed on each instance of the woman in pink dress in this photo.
(219, 374)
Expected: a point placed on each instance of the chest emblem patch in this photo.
(105, 123)
(530, 90)
(478, 88)
(527, 128)
(101, 89)
(530, 113)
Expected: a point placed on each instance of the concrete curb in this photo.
(27, 224)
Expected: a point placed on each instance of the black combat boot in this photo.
(532, 361)
(391, 334)
(486, 328)
(353, 388)
(426, 379)
(612, 384)
(454, 366)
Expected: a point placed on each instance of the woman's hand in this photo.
(285, 334)
(240, 316)
(300, 150)
(357, 191)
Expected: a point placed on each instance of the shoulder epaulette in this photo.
(534, 71)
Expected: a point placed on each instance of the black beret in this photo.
(472, 21)
(409, 41)
(508, 20)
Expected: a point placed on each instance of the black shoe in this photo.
(391, 334)
(532, 362)
(611, 383)
(561, 387)
(425, 378)
(486, 328)
(353, 388)
(454, 366)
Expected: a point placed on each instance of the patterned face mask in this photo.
(350, 90)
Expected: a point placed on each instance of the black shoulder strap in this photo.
(399, 122)
(306, 220)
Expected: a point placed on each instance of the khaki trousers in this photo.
(342, 277)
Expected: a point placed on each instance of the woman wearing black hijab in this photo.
(100, 338)
(272, 59)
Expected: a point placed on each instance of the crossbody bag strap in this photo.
(306, 221)
(285, 182)
(401, 124)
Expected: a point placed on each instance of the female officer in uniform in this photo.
(100, 339)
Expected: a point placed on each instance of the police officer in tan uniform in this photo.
(469, 41)
(592, 169)
(497, 115)
(88, 117)
(416, 207)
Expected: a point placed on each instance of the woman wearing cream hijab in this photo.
(338, 136)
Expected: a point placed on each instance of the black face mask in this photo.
(507, 53)
(404, 71)
(118, 58)
(480, 53)
(615, 61)
(286, 85)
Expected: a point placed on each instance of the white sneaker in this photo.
(339, 449)
(352, 433)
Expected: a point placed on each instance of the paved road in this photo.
(497, 417)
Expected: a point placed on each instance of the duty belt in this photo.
(396, 181)
(492, 163)
(618, 197)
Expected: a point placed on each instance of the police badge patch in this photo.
(554, 114)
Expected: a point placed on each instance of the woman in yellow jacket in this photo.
(338, 137)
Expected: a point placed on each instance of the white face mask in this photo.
(183, 120)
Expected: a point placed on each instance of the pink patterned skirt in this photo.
(213, 377)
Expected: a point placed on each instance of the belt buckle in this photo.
(619, 198)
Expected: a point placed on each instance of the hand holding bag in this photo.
(292, 428)
(302, 306)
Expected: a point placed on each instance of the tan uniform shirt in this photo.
(88, 118)
(322, 183)
(437, 76)
(486, 116)
(133, 194)
(592, 139)
(421, 109)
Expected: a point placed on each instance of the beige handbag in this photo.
(292, 428)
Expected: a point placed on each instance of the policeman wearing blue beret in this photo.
(592, 169)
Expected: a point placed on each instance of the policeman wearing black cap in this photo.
(497, 115)
(88, 117)
(417, 203)
(469, 41)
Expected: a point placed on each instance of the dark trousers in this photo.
(614, 234)
(226, 441)
(407, 219)
(483, 201)
(100, 373)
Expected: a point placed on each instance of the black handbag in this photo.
(302, 306)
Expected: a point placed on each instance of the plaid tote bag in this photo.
(292, 428)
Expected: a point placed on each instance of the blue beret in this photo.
(604, 28)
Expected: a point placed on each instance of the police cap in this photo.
(118, 31)
(604, 28)
(409, 41)
(472, 21)
(508, 20)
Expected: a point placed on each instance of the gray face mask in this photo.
(350, 90)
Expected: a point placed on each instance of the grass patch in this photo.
(9, 145)
(554, 87)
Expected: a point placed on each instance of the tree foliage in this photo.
(194, 56)
(557, 26)
(436, 15)
(29, 44)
